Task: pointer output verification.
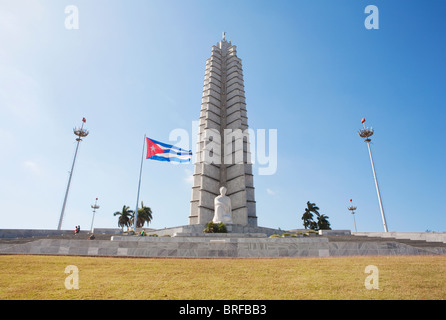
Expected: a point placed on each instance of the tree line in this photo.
(126, 217)
(321, 222)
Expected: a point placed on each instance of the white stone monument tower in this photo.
(223, 158)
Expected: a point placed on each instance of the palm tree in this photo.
(144, 216)
(124, 216)
(307, 217)
(313, 208)
(322, 222)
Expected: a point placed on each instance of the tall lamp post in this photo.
(80, 133)
(367, 133)
(95, 207)
(352, 209)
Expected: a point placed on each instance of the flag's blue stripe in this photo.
(169, 159)
(179, 153)
(169, 155)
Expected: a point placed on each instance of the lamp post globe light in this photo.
(80, 133)
(94, 207)
(352, 209)
(366, 133)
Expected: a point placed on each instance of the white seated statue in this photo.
(223, 209)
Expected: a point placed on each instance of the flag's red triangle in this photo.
(152, 148)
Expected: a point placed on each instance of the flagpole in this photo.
(139, 184)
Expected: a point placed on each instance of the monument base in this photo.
(220, 235)
(233, 229)
(219, 245)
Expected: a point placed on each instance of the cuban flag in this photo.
(165, 152)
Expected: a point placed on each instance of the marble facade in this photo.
(223, 158)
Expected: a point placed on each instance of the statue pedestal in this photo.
(219, 235)
(197, 229)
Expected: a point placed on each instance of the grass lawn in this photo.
(400, 277)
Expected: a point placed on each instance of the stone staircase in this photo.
(33, 241)
(215, 246)
(83, 235)
(427, 246)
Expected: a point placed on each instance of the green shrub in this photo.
(212, 227)
(221, 228)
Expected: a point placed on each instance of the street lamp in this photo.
(352, 209)
(367, 133)
(80, 133)
(95, 207)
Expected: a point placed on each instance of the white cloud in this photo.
(32, 166)
(270, 192)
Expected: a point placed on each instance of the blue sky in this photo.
(311, 69)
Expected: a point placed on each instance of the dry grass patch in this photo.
(43, 277)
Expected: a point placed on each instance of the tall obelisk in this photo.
(223, 157)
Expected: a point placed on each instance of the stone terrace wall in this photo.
(426, 236)
(202, 247)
